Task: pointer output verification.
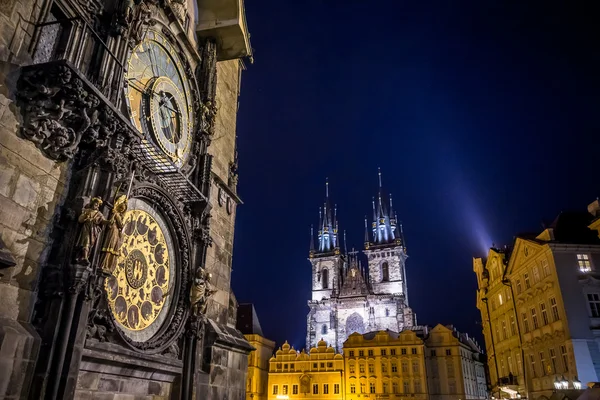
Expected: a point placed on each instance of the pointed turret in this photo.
(327, 234)
(384, 226)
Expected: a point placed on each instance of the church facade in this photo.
(118, 175)
(349, 297)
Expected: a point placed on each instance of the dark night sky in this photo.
(483, 117)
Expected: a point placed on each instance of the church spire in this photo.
(384, 226)
(327, 233)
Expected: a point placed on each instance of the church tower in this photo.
(327, 263)
(386, 252)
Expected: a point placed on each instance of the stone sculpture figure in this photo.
(200, 292)
(114, 235)
(91, 220)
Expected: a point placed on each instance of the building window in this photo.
(385, 387)
(403, 351)
(361, 368)
(565, 360)
(406, 387)
(285, 389)
(329, 365)
(526, 279)
(433, 353)
(336, 388)
(394, 387)
(362, 388)
(285, 366)
(552, 360)
(415, 368)
(371, 369)
(519, 289)
(361, 353)
(393, 352)
(371, 387)
(353, 388)
(292, 366)
(448, 352)
(534, 318)
(383, 352)
(554, 309)
(452, 387)
(383, 367)
(532, 362)
(385, 272)
(387, 312)
(295, 389)
(324, 330)
(536, 274)
(545, 267)
(404, 367)
(513, 329)
(351, 353)
(275, 389)
(315, 365)
(450, 368)
(525, 322)
(325, 277)
(584, 263)
(413, 350)
(594, 302)
(543, 363)
(322, 365)
(544, 313)
(315, 388)
(371, 353)
(394, 367)
(326, 388)
(352, 369)
(417, 386)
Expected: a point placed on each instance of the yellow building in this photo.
(258, 359)
(298, 375)
(385, 364)
(540, 307)
(455, 366)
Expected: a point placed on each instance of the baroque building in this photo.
(258, 359)
(539, 301)
(347, 297)
(418, 362)
(118, 174)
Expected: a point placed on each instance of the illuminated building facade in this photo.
(258, 359)
(316, 375)
(385, 364)
(347, 297)
(540, 307)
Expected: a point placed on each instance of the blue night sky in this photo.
(483, 117)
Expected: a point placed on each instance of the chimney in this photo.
(594, 208)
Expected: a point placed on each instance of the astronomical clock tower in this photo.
(347, 297)
(118, 175)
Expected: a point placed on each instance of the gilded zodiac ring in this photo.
(136, 269)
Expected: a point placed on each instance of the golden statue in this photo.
(113, 237)
(200, 292)
(91, 220)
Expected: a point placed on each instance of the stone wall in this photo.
(31, 187)
(222, 148)
(227, 376)
(395, 259)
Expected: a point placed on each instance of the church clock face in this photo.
(139, 289)
(159, 99)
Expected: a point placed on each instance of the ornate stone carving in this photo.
(200, 292)
(61, 111)
(91, 221)
(78, 277)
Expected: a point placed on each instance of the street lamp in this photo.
(565, 383)
(576, 384)
(556, 383)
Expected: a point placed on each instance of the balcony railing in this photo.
(73, 40)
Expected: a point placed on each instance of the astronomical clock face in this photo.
(159, 99)
(139, 289)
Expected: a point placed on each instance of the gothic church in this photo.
(347, 297)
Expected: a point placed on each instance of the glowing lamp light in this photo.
(557, 384)
(282, 396)
(564, 383)
(576, 384)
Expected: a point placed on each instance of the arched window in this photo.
(385, 272)
(324, 330)
(325, 277)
